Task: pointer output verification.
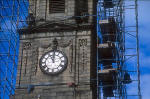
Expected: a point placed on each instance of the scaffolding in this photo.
(10, 16)
(115, 75)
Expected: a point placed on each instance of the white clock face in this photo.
(53, 62)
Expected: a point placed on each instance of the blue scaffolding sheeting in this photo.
(11, 19)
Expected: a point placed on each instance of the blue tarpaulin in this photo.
(12, 16)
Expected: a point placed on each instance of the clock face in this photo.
(53, 62)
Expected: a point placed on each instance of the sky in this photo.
(144, 36)
(144, 41)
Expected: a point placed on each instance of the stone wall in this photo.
(40, 9)
(76, 45)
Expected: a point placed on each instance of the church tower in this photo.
(58, 51)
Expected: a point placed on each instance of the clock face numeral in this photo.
(50, 70)
(43, 64)
(62, 63)
(46, 56)
(59, 68)
(53, 62)
(46, 68)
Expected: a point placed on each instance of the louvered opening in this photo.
(56, 6)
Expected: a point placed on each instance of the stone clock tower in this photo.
(58, 51)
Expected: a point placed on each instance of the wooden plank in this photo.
(107, 71)
(103, 21)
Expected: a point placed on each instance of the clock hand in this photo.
(53, 59)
